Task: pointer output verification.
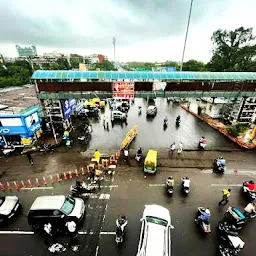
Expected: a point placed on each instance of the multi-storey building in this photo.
(28, 51)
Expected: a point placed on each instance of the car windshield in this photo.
(1, 200)
(68, 205)
(157, 220)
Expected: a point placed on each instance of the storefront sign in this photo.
(68, 106)
(2, 131)
(123, 89)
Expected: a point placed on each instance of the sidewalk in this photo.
(242, 141)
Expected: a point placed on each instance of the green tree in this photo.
(194, 65)
(106, 65)
(74, 62)
(233, 50)
(63, 64)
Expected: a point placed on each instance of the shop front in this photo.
(20, 129)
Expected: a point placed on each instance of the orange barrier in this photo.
(2, 186)
(116, 156)
(104, 162)
(112, 160)
(58, 177)
(37, 182)
(70, 175)
(16, 185)
(22, 184)
(8, 185)
(76, 173)
(118, 152)
(29, 183)
(45, 181)
(52, 179)
(65, 176)
(82, 170)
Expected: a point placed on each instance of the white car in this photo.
(8, 207)
(151, 111)
(155, 235)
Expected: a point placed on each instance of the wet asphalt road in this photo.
(151, 132)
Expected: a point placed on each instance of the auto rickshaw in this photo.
(150, 163)
(125, 105)
(100, 103)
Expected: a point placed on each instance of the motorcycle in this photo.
(185, 186)
(169, 190)
(165, 123)
(8, 150)
(219, 168)
(205, 225)
(120, 232)
(178, 122)
(84, 190)
(230, 244)
(139, 110)
(251, 194)
(235, 218)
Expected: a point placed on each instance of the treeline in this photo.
(232, 51)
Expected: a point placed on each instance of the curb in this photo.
(224, 132)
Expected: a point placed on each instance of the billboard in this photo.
(123, 90)
(68, 106)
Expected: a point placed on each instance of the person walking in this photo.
(180, 148)
(72, 232)
(226, 195)
(49, 236)
(172, 148)
(30, 159)
(126, 154)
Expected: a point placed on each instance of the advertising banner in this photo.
(159, 86)
(68, 106)
(123, 90)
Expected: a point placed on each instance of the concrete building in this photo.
(95, 58)
(214, 107)
(27, 51)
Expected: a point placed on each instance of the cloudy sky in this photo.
(145, 30)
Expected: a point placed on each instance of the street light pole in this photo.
(184, 48)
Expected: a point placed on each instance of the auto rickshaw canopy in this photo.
(151, 158)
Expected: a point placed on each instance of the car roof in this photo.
(156, 239)
(157, 211)
(48, 202)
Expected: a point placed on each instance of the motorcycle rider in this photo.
(250, 186)
(165, 120)
(79, 186)
(249, 209)
(205, 216)
(138, 154)
(121, 222)
(178, 119)
(186, 182)
(170, 182)
(221, 162)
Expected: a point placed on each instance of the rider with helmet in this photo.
(170, 182)
(205, 216)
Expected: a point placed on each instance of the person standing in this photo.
(48, 231)
(72, 231)
(126, 154)
(97, 155)
(30, 159)
(104, 122)
(180, 148)
(226, 195)
(172, 148)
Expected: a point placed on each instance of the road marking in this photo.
(156, 185)
(97, 250)
(36, 188)
(104, 196)
(86, 233)
(16, 233)
(107, 233)
(226, 185)
(110, 186)
(232, 172)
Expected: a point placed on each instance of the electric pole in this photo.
(114, 43)
(184, 48)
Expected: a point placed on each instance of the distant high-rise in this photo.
(28, 51)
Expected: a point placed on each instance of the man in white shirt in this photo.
(48, 231)
(250, 208)
(71, 226)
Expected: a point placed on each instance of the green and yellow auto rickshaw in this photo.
(150, 164)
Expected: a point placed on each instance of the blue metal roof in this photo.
(114, 75)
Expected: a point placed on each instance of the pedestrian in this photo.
(172, 148)
(180, 148)
(226, 195)
(104, 121)
(72, 232)
(49, 236)
(97, 155)
(30, 159)
(126, 154)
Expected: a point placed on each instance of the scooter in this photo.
(201, 145)
(7, 151)
(219, 168)
(177, 122)
(235, 218)
(251, 195)
(205, 226)
(84, 190)
(119, 232)
(230, 244)
(185, 186)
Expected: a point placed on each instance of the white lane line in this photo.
(97, 251)
(39, 188)
(16, 233)
(226, 185)
(86, 233)
(104, 196)
(110, 186)
(107, 233)
(232, 172)
(156, 185)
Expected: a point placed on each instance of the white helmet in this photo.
(207, 211)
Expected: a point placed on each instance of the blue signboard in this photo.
(68, 106)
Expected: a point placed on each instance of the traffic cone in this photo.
(76, 173)
(70, 175)
(118, 152)
(65, 176)
(82, 170)
(45, 181)
(22, 184)
(30, 184)
(116, 155)
(2, 186)
(88, 169)
(16, 185)
(52, 179)
(58, 177)
(8, 185)
(37, 182)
